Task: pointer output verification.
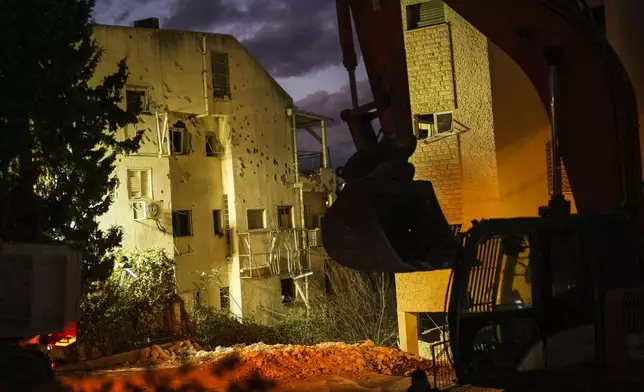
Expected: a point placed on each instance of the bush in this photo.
(133, 304)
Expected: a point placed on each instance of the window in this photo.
(139, 184)
(317, 221)
(212, 149)
(598, 14)
(429, 125)
(217, 224)
(220, 80)
(285, 217)
(139, 210)
(288, 290)
(136, 100)
(255, 219)
(182, 223)
(227, 222)
(179, 139)
(425, 14)
(224, 298)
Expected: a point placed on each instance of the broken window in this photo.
(285, 217)
(425, 14)
(217, 223)
(136, 100)
(179, 139)
(139, 210)
(139, 184)
(224, 298)
(182, 223)
(211, 145)
(429, 125)
(255, 219)
(220, 77)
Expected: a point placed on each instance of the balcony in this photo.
(285, 252)
(309, 161)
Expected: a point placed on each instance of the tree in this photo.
(58, 129)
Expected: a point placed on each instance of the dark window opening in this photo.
(217, 223)
(224, 298)
(428, 13)
(179, 139)
(211, 145)
(135, 100)
(598, 14)
(288, 291)
(182, 223)
(285, 217)
(220, 77)
(317, 221)
(255, 219)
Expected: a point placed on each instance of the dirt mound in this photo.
(282, 362)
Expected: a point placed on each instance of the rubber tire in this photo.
(24, 370)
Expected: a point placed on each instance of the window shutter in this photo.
(134, 183)
(145, 183)
(431, 13)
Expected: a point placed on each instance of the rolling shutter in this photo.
(431, 13)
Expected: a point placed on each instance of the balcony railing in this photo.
(309, 161)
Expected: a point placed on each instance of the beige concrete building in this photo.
(216, 182)
(483, 131)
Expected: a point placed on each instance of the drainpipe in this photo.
(300, 201)
(325, 151)
(204, 76)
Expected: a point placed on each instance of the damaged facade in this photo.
(483, 132)
(216, 182)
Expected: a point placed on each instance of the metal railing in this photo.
(443, 373)
(309, 161)
(274, 252)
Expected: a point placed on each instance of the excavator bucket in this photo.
(389, 226)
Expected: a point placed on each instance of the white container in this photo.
(40, 288)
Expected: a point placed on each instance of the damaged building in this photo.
(217, 181)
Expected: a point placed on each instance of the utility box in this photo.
(40, 288)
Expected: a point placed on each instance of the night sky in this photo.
(295, 40)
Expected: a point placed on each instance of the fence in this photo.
(443, 373)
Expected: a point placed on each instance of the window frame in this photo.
(140, 171)
(291, 222)
(190, 226)
(214, 151)
(413, 10)
(433, 131)
(223, 60)
(144, 92)
(185, 139)
(248, 221)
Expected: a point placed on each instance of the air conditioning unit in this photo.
(154, 210)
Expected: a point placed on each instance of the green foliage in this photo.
(125, 309)
(58, 126)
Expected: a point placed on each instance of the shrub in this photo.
(134, 303)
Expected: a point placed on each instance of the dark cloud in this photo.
(294, 37)
(331, 105)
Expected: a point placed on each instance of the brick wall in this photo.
(431, 87)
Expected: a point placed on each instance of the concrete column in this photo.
(228, 185)
(325, 148)
(408, 331)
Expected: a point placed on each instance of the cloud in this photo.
(291, 37)
(331, 104)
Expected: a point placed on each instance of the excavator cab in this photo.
(527, 302)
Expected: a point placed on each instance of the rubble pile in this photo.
(289, 361)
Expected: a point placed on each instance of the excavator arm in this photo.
(383, 220)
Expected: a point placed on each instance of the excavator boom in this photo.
(385, 221)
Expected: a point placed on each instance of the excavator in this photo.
(544, 303)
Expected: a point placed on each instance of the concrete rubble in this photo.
(290, 361)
